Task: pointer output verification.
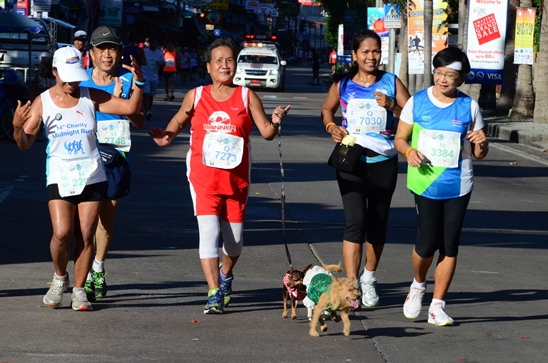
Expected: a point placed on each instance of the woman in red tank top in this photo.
(221, 116)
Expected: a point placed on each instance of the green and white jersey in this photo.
(440, 133)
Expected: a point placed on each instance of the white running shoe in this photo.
(437, 315)
(413, 303)
(369, 294)
(54, 296)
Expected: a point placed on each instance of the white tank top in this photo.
(72, 141)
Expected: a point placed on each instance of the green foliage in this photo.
(539, 4)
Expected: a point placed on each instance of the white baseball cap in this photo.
(80, 34)
(69, 65)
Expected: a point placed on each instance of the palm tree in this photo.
(428, 22)
(541, 101)
(508, 91)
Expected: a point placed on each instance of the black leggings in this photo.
(440, 225)
(366, 196)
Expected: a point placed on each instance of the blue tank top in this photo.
(386, 84)
(436, 182)
(127, 79)
(108, 122)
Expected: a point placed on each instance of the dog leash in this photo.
(282, 195)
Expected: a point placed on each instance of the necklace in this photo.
(367, 83)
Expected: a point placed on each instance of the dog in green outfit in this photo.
(328, 293)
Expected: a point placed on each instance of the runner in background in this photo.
(170, 70)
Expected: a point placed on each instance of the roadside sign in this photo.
(392, 16)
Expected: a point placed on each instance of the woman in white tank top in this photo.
(76, 180)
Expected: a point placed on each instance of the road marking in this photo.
(485, 272)
(5, 190)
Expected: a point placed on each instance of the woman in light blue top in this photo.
(368, 98)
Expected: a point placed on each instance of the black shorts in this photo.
(440, 225)
(91, 193)
(169, 74)
(366, 195)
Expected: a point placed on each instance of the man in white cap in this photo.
(113, 133)
(80, 40)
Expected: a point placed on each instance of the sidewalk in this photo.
(521, 132)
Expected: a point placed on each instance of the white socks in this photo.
(367, 275)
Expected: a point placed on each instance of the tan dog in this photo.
(294, 290)
(330, 293)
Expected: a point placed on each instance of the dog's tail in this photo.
(332, 268)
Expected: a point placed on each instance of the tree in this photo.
(508, 91)
(541, 100)
(428, 23)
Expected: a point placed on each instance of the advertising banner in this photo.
(340, 40)
(375, 21)
(110, 12)
(525, 31)
(486, 37)
(416, 33)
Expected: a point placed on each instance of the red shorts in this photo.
(230, 208)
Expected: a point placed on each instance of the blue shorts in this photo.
(150, 88)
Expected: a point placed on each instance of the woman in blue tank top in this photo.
(440, 130)
(368, 98)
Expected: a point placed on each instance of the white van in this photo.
(260, 65)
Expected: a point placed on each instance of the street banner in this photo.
(485, 42)
(392, 16)
(375, 21)
(340, 40)
(415, 25)
(525, 31)
(110, 12)
(217, 5)
(22, 6)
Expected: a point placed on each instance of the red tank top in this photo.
(230, 117)
(170, 58)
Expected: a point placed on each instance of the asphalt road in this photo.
(153, 312)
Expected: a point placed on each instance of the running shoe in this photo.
(90, 290)
(54, 296)
(99, 283)
(225, 285)
(437, 315)
(166, 99)
(79, 300)
(214, 302)
(369, 294)
(413, 303)
(171, 98)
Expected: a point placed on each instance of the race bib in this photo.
(364, 116)
(170, 62)
(222, 151)
(74, 174)
(115, 133)
(442, 148)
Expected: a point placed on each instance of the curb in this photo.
(520, 132)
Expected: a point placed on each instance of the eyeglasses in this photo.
(450, 76)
